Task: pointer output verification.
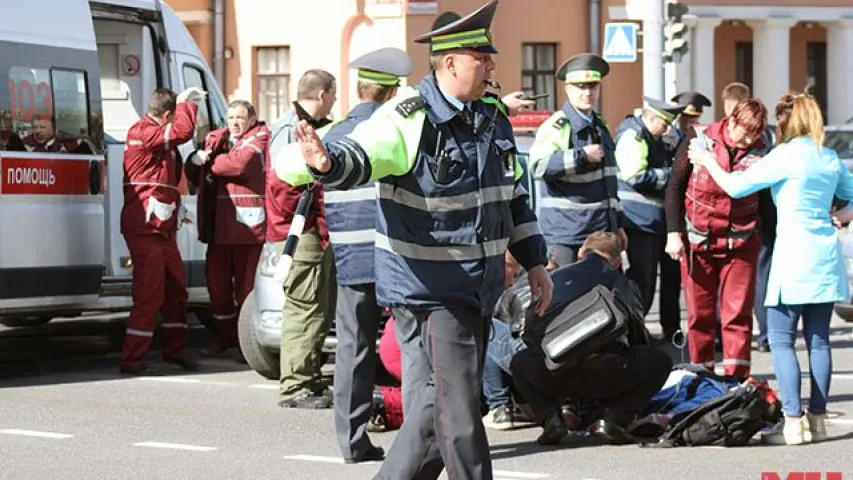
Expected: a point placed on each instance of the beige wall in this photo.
(253, 23)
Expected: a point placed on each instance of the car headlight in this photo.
(269, 260)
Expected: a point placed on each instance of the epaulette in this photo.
(410, 106)
(560, 123)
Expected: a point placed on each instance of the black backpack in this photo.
(729, 420)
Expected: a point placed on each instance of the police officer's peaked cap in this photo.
(583, 68)
(693, 101)
(384, 66)
(471, 32)
(665, 110)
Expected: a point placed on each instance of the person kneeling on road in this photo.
(621, 377)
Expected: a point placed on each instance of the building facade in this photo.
(263, 46)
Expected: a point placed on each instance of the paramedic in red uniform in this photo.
(45, 139)
(717, 239)
(149, 223)
(231, 219)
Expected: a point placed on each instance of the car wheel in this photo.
(261, 360)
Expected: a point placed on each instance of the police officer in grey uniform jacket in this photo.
(351, 217)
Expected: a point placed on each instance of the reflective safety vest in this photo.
(351, 214)
(644, 171)
(576, 197)
(449, 200)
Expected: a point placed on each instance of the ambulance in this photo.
(76, 74)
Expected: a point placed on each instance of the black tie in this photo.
(468, 116)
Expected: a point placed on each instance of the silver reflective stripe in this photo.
(135, 143)
(352, 237)
(520, 232)
(442, 253)
(566, 204)
(446, 204)
(660, 178)
(252, 146)
(590, 176)
(639, 198)
(139, 333)
(173, 325)
(167, 135)
(243, 195)
(348, 162)
(225, 317)
(519, 191)
(735, 361)
(350, 196)
(569, 161)
(152, 184)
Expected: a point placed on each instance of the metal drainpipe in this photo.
(594, 35)
(218, 42)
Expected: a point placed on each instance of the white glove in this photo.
(191, 94)
(200, 157)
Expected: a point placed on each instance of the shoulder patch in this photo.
(410, 106)
(560, 123)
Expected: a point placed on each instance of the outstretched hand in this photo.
(541, 287)
(313, 150)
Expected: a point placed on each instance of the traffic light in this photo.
(675, 31)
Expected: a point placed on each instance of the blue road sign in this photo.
(620, 42)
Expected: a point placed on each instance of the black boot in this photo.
(553, 429)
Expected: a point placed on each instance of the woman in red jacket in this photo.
(717, 238)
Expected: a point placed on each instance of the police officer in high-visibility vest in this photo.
(573, 164)
(351, 216)
(644, 169)
(450, 204)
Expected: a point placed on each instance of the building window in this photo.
(743, 63)
(816, 72)
(272, 82)
(537, 73)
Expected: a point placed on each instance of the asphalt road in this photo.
(66, 414)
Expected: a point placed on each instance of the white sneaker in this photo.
(788, 432)
(816, 423)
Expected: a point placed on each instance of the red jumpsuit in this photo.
(231, 221)
(718, 272)
(149, 223)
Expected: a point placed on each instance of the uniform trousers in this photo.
(356, 327)
(644, 254)
(159, 285)
(230, 274)
(308, 311)
(726, 279)
(622, 379)
(442, 377)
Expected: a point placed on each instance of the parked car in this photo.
(840, 139)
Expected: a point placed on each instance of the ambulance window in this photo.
(49, 111)
(194, 77)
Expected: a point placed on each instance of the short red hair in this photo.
(752, 116)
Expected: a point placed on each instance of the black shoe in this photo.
(611, 433)
(763, 346)
(306, 400)
(142, 370)
(554, 429)
(184, 361)
(374, 454)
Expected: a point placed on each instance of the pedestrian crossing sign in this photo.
(620, 42)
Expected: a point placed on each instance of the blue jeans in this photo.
(499, 352)
(782, 333)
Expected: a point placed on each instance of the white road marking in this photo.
(264, 386)
(839, 421)
(499, 474)
(169, 379)
(315, 458)
(175, 446)
(34, 433)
